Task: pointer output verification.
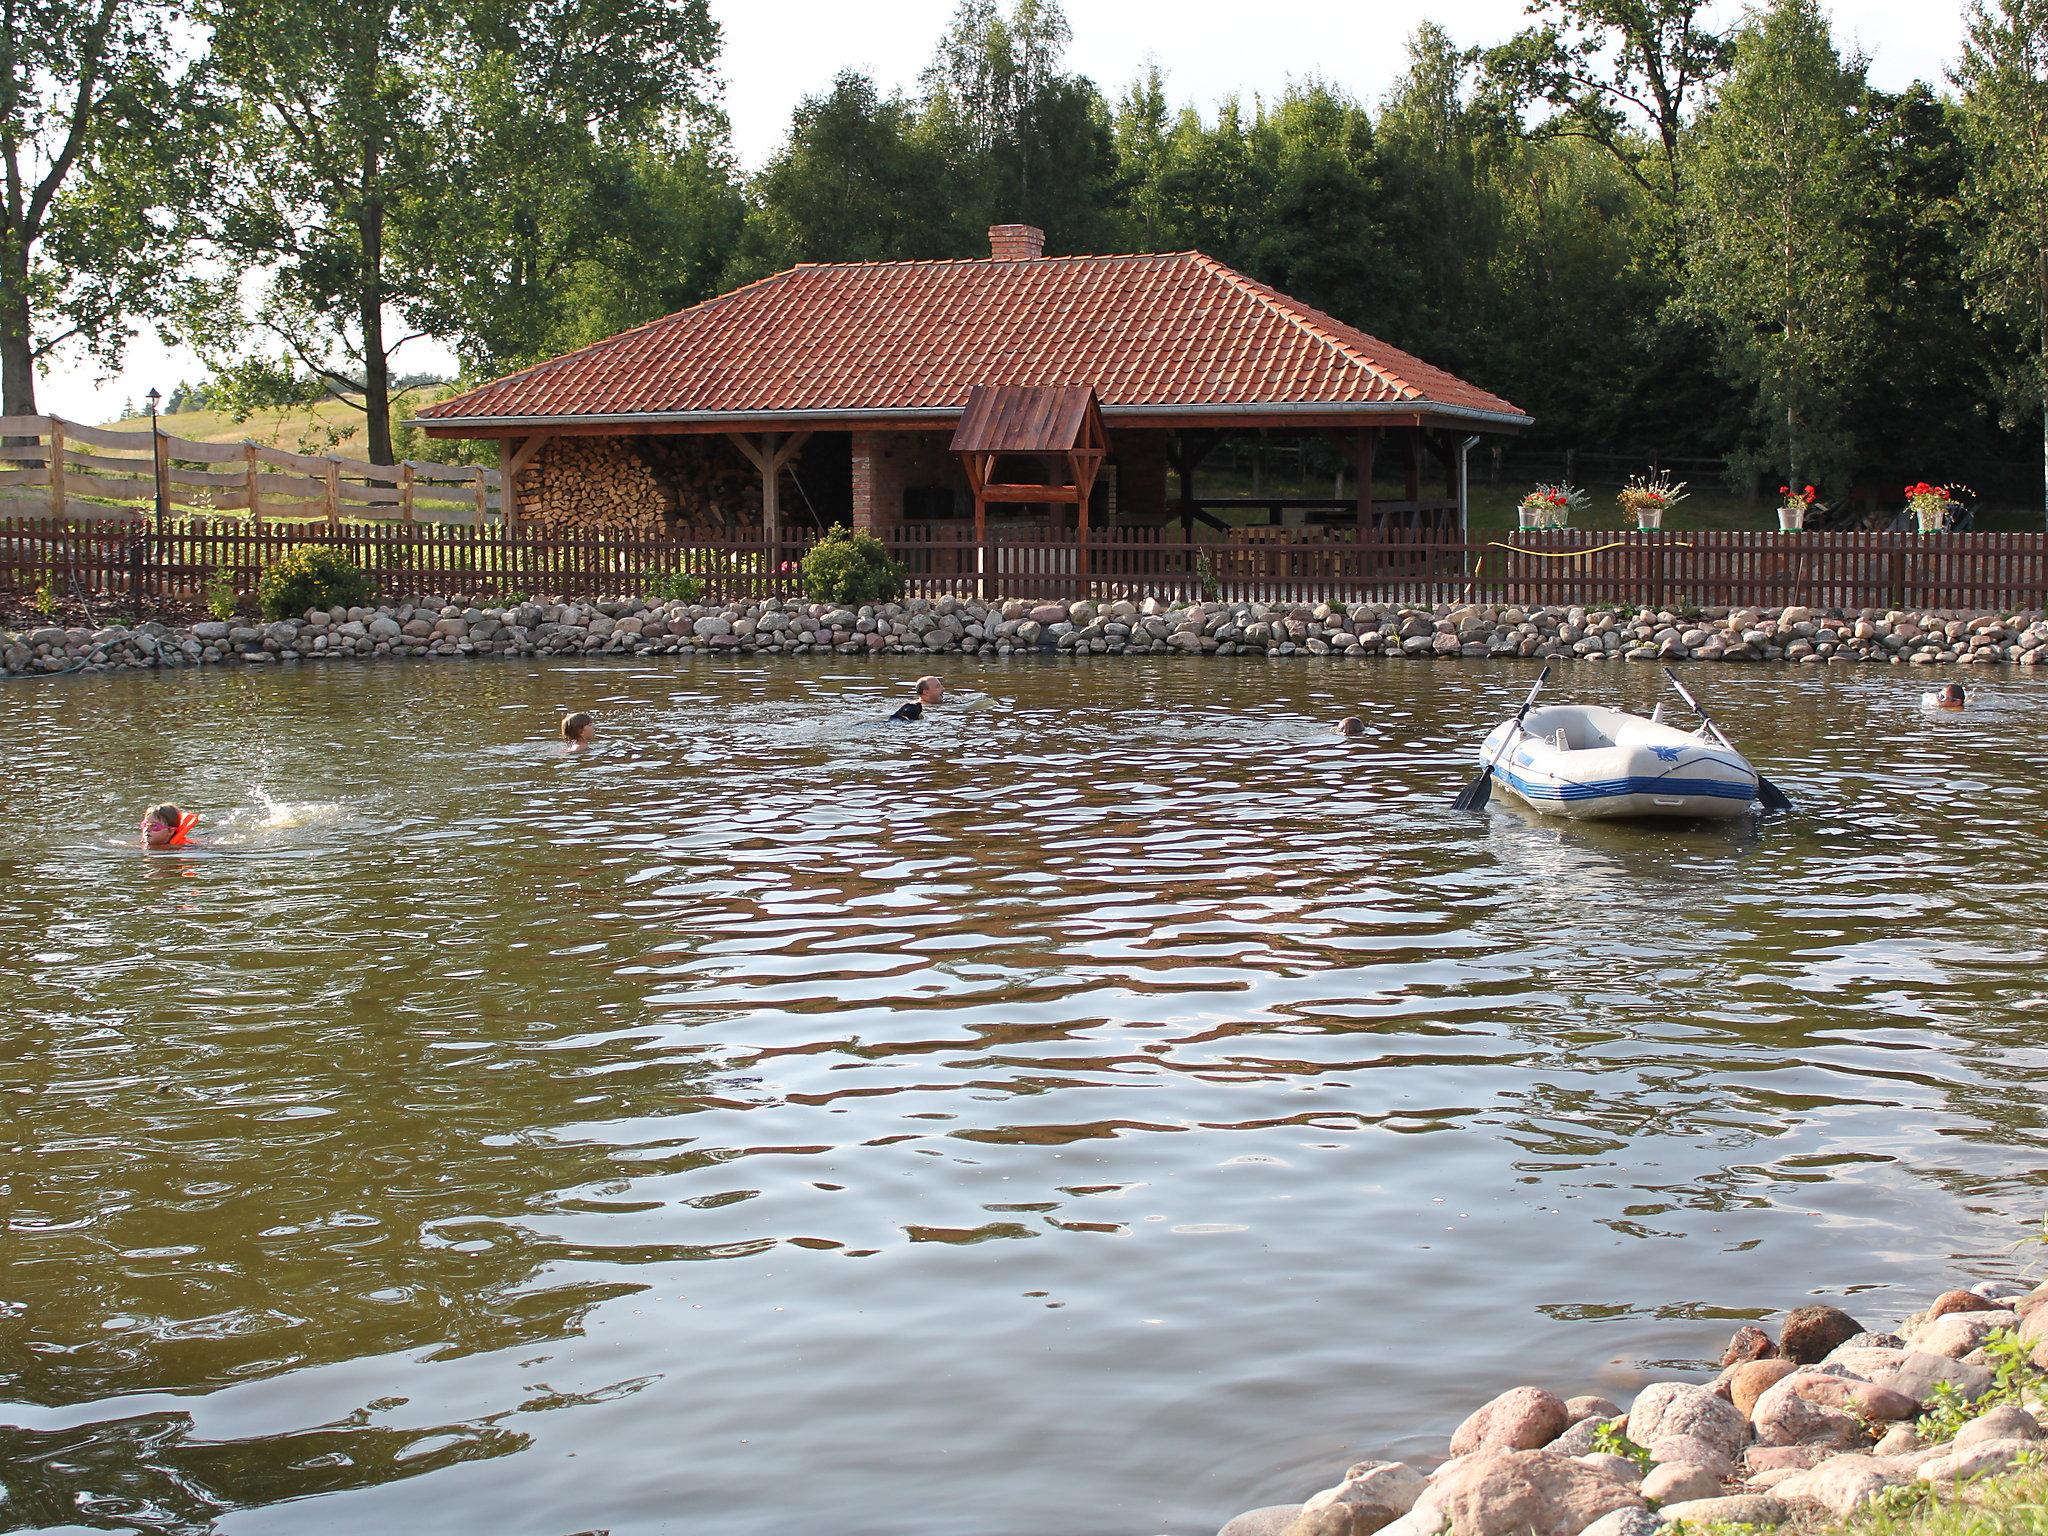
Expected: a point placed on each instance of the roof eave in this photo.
(740, 421)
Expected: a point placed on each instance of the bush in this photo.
(222, 600)
(849, 569)
(672, 587)
(312, 576)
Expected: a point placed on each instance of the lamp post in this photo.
(156, 458)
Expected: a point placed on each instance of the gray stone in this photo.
(1665, 1409)
(1676, 1482)
(1374, 1493)
(1625, 1522)
(2005, 1422)
(1526, 1493)
(1270, 1520)
(1841, 1485)
(1917, 1373)
(1976, 1460)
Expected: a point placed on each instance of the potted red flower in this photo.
(1792, 507)
(1929, 505)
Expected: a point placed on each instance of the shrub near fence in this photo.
(61, 469)
(144, 566)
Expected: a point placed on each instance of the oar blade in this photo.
(1775, 800)
(1473, 796)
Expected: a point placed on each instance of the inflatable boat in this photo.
(1581, 761)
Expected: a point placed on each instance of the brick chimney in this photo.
(1015, 242)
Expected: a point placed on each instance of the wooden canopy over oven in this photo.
(1058, 426)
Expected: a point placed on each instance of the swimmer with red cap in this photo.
(167, 826)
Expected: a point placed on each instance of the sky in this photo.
(778, 51)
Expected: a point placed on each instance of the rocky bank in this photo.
(1795, 1430)
(947, 626)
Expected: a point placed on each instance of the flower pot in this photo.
(1932, 519)
(1650, 517)
(1791, 519)
(1532, 517)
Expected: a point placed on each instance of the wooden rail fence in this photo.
(62, 469)
(170, 563)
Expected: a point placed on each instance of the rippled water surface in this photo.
(1086, 1115)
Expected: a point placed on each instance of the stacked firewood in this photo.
(642, 484)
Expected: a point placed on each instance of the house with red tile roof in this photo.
(833, 392)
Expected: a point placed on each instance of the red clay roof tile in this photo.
(1170, 330)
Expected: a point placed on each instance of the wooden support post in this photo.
(483, 497)
(1411, 447)
(250, 479)
(333, 493)
(405, 477)
(508, 483)
(1368, 440)
(769, 456)
(56, 467)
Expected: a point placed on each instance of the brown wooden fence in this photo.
(55, 468)
(146, 563)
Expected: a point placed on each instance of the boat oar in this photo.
(1473, 796)
(1774, 798)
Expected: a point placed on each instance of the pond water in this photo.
(1090, 1114)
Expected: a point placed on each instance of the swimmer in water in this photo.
(1351, 725)
(576, 730)
(167, 826)
(1950, 696)
(930, 690)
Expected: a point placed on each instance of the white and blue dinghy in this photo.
(1584, 761)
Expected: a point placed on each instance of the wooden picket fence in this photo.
(62, 469)
(169, 564)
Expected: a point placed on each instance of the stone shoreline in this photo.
(961, 626)
(1797, 1430)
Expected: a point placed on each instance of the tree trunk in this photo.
(17, 348)
(376, 364)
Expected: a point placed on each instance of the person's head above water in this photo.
(1951, 696)
(1351, 725)
(931, 690)
(167, 826)
(576, 728)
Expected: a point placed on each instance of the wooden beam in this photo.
(523, 455)
(508, 482)
(1368, 441)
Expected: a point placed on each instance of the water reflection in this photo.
(1082, 1111)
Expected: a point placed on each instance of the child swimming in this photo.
(577, 729)
(168, 826)
(1948, 696)
(1351, 725)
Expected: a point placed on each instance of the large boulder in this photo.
(1692, 1451)
(1749, 1343)
(1917, 1373)
(1665, 1409)
(1840, 1485)
(1582, 1438)
(1582, 1408)
(1976, 1460)
(2007, 1422)
(1783, 1417)
(1748, 1382)
(1373, 1495)
(1271, 1520)
(1961, 1301)
(1521, 1419)
(1864, 1399)
(1809, 1333)
(1526, 1493)
(1958, 1333)
(1625, 1522)
(1761, 1459)
(1677, 1481)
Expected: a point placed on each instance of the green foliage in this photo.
(1776, 238)
(312, 576)
(44, 600)
(2013, 1375)
(92, 98)
(1613, 1440)
(1205, 577)
(222, 600)
(672, 587)
(849, 569)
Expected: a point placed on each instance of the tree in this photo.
(2004, 79)
(1609, 69)
(372, 185)
(92, 98)
(855, 182)
(1776, 255)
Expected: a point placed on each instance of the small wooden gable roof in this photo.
(1029, 418)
